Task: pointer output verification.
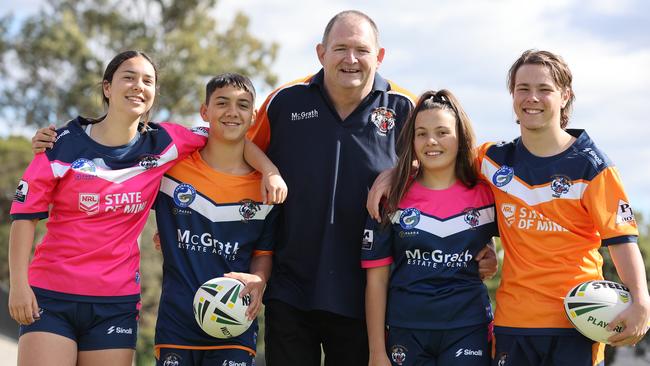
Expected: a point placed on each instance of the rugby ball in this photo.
(219, 310)
(591, 305)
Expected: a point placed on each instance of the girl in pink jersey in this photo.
(436, 222)
(78, 299)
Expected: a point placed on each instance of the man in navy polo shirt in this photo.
(330, 134)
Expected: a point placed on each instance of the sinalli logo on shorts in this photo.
(119, 330)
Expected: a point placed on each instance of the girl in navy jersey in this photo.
(436, 221)
(78, 299)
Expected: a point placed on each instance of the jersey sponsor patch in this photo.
(508, 211)
(201, 131)
(366, 242)
(384, 119)
(21, 191)
(624, 215)
(172, 359)
(89, 203)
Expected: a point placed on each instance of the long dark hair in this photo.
(405, 172)
(110, 70)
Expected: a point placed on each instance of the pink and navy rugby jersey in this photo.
(97, 199)
(433, 239)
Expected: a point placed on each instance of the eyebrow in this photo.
(221, 97)
(127, 71)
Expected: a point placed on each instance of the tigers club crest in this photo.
(248, 209)
(398, 354)
(472, 217)
(384, 119)
(560, 185)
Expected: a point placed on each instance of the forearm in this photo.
(256, 158)
(376, 295)
(261, 266)
(631, 269)
(21, 239)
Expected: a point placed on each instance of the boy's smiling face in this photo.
(230, 112)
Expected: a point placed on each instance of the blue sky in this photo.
(468, 46)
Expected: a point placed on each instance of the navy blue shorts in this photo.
(94, 326)
(562, 350)
(210, 357)
(467, 346)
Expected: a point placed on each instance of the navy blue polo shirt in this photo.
(329, 165)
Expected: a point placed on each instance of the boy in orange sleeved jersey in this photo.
(559, 198)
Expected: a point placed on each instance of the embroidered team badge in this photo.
(89, 203)
(84, 166)
(184, 195)
(560, 185)
(472, 216)
(21, 191)
(248, 209)
(508, 210)
(172, 359)
(148, 161)
(503, 176)
(384, 119)
(409, 218)
(398, 354)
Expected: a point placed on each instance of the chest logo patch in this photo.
(89, 203)
(560, 185)
(248, 209)
(409, 218)
(503, 176)
(384, 119)
(149, 161)
(472, 217)
(184, 195)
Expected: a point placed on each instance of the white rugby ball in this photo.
(219, 310)
(591, 305)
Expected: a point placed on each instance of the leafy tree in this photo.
(62, 51)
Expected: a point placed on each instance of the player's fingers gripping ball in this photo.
(219, 310)
(591, 305)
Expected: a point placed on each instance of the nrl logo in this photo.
(384, 119)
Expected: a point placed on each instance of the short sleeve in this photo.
(34, 192)
(609, 208)
(267, 240)
(376, 245)
(186, 139)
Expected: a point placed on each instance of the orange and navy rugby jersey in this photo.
(553, 215)
(210, 223)
(328, 164)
